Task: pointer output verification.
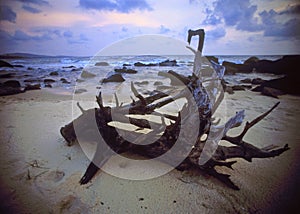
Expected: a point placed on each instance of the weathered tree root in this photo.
(94, 126)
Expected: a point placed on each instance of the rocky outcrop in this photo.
(114, 78)
(164, 63)
(101, 64)
(5, 64)
(125, 70)
(10, 87)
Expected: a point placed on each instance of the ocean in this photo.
(33, 70)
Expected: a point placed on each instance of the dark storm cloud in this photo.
(36, 2)
(234, 13)
(31, 9)
(7, 14)
(124, 6)
(291, 9)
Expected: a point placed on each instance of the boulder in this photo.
(125, 70)
(248, 80)
(32, 87)
(12, 84)
(168, 63)
(7, 75)
(272, 92)
(238, 88)
(86, 74)
(257, 81)
(233, 68)
(252, 60)
(5, 64)
(101, 64)
(63, 80)
(288, 84)
(114, 78)
(48, 85)
(54, 73)
(49, 81)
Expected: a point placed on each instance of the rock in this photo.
(48, 85)
(114, 78)
(248, 80)
(54, 73)
(142, 83)
(125, 64)
(63, 80)
(232, 68)
(80, 91)
(4, 91)
(101, 64)
(71, 66)
(5, 64)
(168, 63)
(76, 69)
(12, 84)
(257, 89)
(272, 92)
(140, 64)
(7, 75)
(252, 60)
(238, 88)
(86, 74)
(288, 84)
(79, 80)
(30, 69)
(257, 81)
(229, 90)
(32, 87)
(158, 83)
(49, 80)
(125, 70)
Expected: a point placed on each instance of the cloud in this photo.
(22, 36)
(274, 28)
(123, 6)
(216, 33)
(31, 9)
(291, 9)
(7, 14)
(235, 13)
(68, 34)
(36, 2)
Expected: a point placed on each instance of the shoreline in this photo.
(40, 172)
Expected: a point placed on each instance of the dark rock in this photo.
(76, 69)
(101, 64)
(18, 66)
(232, 68)
(252, 60)
(80, 91)
(7, 75)
(114, 78)
(30, 69)
(126, 65)
(12, 84)
(4, 91)
(168, 63)
(257, 89)
(257, 81)
(5, 64)
(71, 66)
(63, 80)
(288, 84)
(49, 80)
(142, 83)
(238, 88)
(248, 80)
(125, 70)
(140, 64)
(33, 87)
(158, 83)
(86, 74)
(54, 73)
(229, 90)
(272, 92)
(48, 85)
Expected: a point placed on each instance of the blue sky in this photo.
(83, 27)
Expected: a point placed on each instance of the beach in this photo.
(40, 173)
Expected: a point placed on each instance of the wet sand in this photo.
(40, 173)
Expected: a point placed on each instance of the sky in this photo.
(84, 27)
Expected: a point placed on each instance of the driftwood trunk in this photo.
(189, 126)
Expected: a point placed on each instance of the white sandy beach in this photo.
(40, 173)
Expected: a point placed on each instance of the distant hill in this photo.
(21, 55)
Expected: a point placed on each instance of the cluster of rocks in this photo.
(163, 63)
(286, 66)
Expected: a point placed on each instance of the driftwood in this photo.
(189, 126)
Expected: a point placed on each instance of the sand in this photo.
(39, 173)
